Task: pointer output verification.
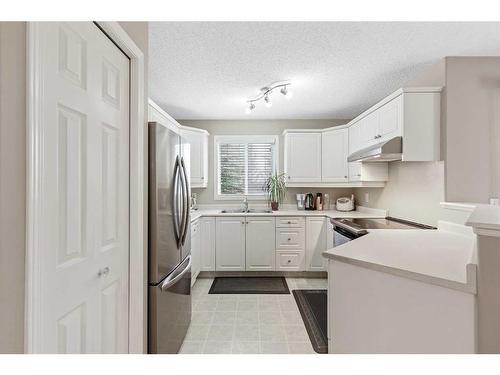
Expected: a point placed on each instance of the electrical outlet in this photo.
(367, 197)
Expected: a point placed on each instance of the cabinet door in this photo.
(303, 157)
(368, 129)
(207, 243)
(355, 171)
(199, 157)
(316, 237)
(368, 172)
(354, 137)
(334, 149)
(260, 244)
(389, 124)
(195, 251)
(230, 244)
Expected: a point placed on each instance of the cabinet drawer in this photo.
(290, 222)
(290, 238)
(290, 260)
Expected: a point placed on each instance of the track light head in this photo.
(250, 108)
(269, 104)
(287, 93)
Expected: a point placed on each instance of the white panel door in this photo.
(207, 243)
(199, 157)
(85, 191)
(230, 243)
(389, 125)
(316, 243)
(195, 250)
(335, 149)
(260, 244)
(303, 157)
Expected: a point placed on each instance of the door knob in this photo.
(103, 272)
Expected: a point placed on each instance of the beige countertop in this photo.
(437, 257)
(361, 212)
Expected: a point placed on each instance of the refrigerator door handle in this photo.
(186, 204)
(175, 276)
(175, 201)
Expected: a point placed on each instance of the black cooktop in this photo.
(387, 223)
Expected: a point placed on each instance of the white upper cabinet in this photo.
(334, 149)
(198, 141)
(303, 157)
(368, 172)
(412, 113)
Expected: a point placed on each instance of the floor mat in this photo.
(313, 309)
(249, 285)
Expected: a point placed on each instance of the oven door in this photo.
(341, 236)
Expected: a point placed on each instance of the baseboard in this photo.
(291, 274)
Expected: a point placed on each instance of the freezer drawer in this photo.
(170, 310)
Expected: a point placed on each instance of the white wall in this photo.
(12, 184)
(413, 192)
(252, 127)
(472, 150)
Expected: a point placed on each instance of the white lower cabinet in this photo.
(289, 260)
(195, 251)
(207, 237)
(316, 243)
(230, 243)
(260, 239)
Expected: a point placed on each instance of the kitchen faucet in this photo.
(245, 204)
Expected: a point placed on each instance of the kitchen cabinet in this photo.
(412, 113)
(303, 156)
(230, 243)
(316, 243)
(207, 240)
(198, 141)
(334, 152)
(260, 240)
(195, 251)
(368, 172)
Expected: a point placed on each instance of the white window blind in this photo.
(244, 165)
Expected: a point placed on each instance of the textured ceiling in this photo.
(207, 70)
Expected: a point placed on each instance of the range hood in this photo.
(389, 150)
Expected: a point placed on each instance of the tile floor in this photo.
(248, 323)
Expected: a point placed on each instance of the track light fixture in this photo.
(265, 93)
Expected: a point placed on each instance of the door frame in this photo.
(137, 220)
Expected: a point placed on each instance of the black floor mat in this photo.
(249, 285)
(313, 309)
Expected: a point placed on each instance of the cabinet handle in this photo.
(242, 222)
(288, 177)
(289, 261)
(289, 239)
(345, 176)
(289, 222)
(359, 175)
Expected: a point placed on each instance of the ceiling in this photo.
(207, 70)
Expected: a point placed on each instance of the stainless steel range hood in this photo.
(390, 150)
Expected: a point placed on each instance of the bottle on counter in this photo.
(326, 201)
(319, 202)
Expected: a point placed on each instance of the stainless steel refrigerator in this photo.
(169, 290)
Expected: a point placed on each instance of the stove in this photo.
(350, 229)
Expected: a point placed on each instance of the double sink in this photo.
(249, 211)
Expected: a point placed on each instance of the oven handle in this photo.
(345, 233)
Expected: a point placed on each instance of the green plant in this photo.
(275, 188)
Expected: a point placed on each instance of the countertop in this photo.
(361, 212)
(437, 257)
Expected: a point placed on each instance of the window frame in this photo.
(241, 139)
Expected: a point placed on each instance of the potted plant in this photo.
(275, 188)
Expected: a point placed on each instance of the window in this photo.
(242, 165)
